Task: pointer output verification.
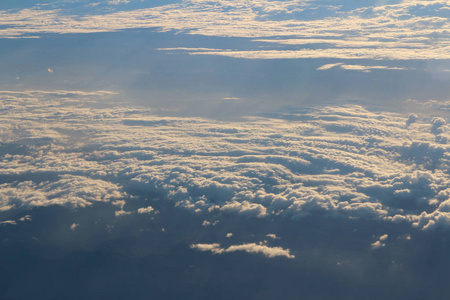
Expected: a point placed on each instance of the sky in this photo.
(246, 149)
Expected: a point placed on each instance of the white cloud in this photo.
(361, 68)
(328, 66)
(145, 210)
(8, 222)
(74, 226)
(379, 243)
(117, 2)
(207, 223)
(120, 213)
(437, 125)
(338, 53)
(404, 30)
(72, 190)
(342, 161)
(25, 218)
(269, 252)
(273, 236)
(412, 118)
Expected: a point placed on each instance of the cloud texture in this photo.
(340, 161)
(399, 30)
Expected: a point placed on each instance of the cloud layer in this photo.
(340, 161)
(284, 29)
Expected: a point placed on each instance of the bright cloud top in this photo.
(303, 29)
(260, 248)
(338, 161)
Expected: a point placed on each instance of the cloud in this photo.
(328, 66)
(438, 124)
(269, 252)
(337, 53)
(145, 210)
(74, 226)
(25, 218)
(215, 248)
(411, 119)
(207, 223)
(8, 222)
(273, 236)
(367, 68)
(117, 2)
(360, 68)
(379, 243)
(120, 213)
(405, 30)
(334, 161)
(71, 190)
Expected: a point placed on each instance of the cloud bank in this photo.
(337, 161)
(285, 29)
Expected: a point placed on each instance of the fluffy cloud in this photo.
(338, 161)
(379, 243)
(74, 226)
(14, 222)
(405, 30)
(145, 210)
(263, 249)
(273, 236)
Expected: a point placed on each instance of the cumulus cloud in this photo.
(411, 119)
(273, 236)
(25, 218)
(120, 213)
(437, 125)
(336, 161)
(74, 226)
(379, 243)
(145, 210)
(207, 223)
(269, 252)
(14, 222)
(76, 191)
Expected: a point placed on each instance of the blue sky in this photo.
(224, 149)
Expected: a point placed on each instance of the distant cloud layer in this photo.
(338, 161)
(401, 30)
